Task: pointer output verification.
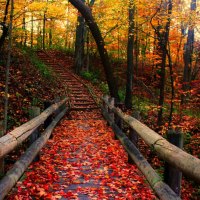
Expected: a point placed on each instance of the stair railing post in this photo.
(172, 176)
(34, 112)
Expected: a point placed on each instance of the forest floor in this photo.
(26, 91)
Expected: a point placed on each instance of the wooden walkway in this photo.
(83, 160)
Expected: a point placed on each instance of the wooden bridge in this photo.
(74, 154)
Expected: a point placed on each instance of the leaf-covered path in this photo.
(82, 161)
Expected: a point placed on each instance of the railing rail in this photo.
(10, 141)
(186, 163)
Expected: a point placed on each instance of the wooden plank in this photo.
(83, 104)
(83, 108)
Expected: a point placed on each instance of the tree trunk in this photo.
(163, 41)
(39, 35)
(50, 34)
(79, 43)
(2, 171)
(188, 51)
(5, 27)
(130, 62)
(87, 49)
(86, 13)
(172, 86)
(24, 35)
(31, 30)
(8, 68)
(44, 31)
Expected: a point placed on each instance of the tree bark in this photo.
(31, 30)
(163, 41)
(8, 68)
(50, 34)
(130, 62)
(5, 27)
(86, 13)
(188, 51)
(79, 43)
(44, 30)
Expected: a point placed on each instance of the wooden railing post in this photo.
(106, 99)
(48, 121)
(133, 136)
(1, 160)
(118, 120)
(34, 112)
(172, 176)
(112, 104)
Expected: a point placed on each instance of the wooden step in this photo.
(83, 104)
(83, 108)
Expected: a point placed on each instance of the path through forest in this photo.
(83, 160)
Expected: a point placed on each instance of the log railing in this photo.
(11, 140)
(186, 163)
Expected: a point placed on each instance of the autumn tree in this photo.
(86, 13)
(8, 65)
(79, 43)
(162, 33)
(188, 51)
(130, 63)
(4, 25)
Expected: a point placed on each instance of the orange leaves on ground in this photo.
(83, 161)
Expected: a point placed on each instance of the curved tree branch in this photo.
(86, 13)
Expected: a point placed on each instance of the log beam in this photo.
(163, 191)
(188, 164)
(11, 140)
(20, 166)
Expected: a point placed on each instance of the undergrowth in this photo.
(43, 69)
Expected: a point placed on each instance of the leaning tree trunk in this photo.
(130, 63)
(86, 13)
